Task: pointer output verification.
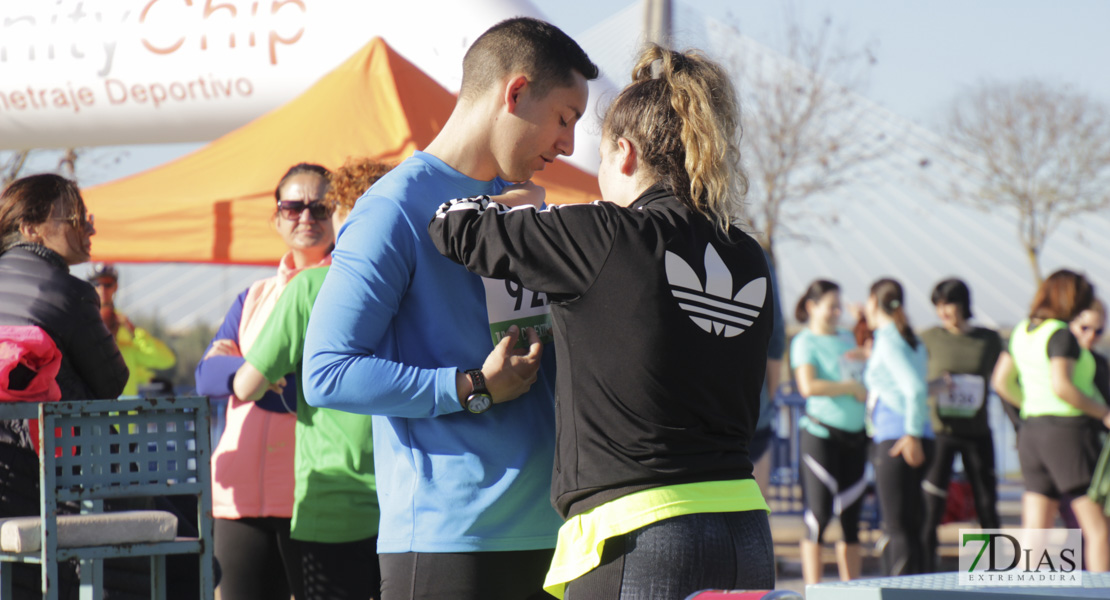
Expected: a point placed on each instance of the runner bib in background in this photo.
(964, 399)
(851, 369)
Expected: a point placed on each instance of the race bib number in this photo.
(509, 303)
(963, 399)
(851, 369)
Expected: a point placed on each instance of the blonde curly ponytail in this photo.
(682, 114)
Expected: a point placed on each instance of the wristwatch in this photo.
(479, 400)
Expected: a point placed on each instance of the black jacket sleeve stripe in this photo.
(558, 251)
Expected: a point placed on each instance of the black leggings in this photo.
(676, 557)
(978, 458)
(901, 501)
(510, 575)
(341, 571)
(257, 559)
(832, 484)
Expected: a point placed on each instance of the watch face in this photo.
(478, 403)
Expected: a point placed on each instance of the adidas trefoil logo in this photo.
(711, 306)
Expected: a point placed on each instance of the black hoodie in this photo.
(661, 327)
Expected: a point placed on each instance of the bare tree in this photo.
(94, 162)
(803, 124)
(11, 166)
(1038, 151)
(67, 164)
(13, 163)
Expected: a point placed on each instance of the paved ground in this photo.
(787, 530)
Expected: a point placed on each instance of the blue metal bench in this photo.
(110, 449)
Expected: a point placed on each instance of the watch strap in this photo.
(478, 381)
(479, 399)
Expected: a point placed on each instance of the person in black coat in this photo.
(661, 310)
(44, 229)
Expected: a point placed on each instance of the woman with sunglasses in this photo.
(961, 360)
(335, 511)
(1088, 328)
(44, 230)
(1051, 376)
(252, 465)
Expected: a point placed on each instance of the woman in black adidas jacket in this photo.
(662, 314)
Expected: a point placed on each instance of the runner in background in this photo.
(1088, 328)
(828, 367)
(335, 500)
(899, 422)
(1051, 377)
(252, 465)
(142, 352)
(764, 430)
(961, 360)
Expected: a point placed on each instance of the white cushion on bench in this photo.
(22, 534)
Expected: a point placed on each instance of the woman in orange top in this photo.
(252, 466)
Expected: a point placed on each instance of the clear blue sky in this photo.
(927, 51)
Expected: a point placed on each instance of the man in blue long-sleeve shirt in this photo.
(404, 334)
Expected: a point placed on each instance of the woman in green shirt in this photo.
(827, 368)
(1063, 411)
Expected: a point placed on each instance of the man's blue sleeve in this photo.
(371, 271)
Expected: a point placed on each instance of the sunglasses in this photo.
(79, 222)
(1086, 328)
(291, 209)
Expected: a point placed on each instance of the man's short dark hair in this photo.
(540, 50)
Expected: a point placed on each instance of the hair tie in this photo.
(894, 304)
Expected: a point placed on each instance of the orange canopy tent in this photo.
(215, 205)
